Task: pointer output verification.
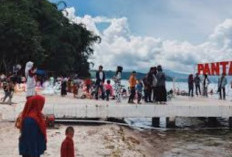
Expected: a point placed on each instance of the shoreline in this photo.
(97, 141)
(119, 141)
(111, 140)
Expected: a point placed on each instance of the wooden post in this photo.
(230, 122)
(170, 122)
(155, 121)
(212, 121)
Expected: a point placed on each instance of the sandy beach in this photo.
(97, 141)
(116, 141)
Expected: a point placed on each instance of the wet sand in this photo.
(89, 141)
(190, 143)
(117, 141)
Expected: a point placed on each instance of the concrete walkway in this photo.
(69, 107)
(177, 107)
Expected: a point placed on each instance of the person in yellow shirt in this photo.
(132, 82)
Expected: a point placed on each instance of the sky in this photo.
(137, 34)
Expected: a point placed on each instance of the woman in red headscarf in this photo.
(33, 139)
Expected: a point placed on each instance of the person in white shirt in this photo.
(30, 71)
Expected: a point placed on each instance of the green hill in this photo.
(125, 75)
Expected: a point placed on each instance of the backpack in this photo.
(18, 122)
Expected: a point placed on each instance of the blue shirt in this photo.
(32, 142)
(139, 87)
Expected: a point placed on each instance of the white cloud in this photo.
(120, 47)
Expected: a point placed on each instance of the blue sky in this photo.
(183, 20)
(137, 34)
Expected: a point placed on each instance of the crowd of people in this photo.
(152, 85)
(151, 88)
(222, 82)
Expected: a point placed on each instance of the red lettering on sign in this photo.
(230, 69)
(224, 64)
(215, 68)
(207, 69)
(200, 68)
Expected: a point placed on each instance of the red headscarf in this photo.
(33, 109)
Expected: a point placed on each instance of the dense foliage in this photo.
(36, 30)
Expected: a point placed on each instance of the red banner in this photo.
(217, 68)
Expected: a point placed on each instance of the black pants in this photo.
(198, 88)
(132, 94)
(191, 91)
(149, 94)
(139, 97)
(222, 90)
(8, 94)
(102, 91)
(107, 95)
(145, 95)
(28, 156)
(205, 91)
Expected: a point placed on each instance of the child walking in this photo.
(8, 90)
(67, 147)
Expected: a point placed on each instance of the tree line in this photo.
(37, 30)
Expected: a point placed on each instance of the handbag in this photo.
(18, 122)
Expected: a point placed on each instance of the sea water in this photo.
(183, 86)
(191, 137)
(180, 121)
